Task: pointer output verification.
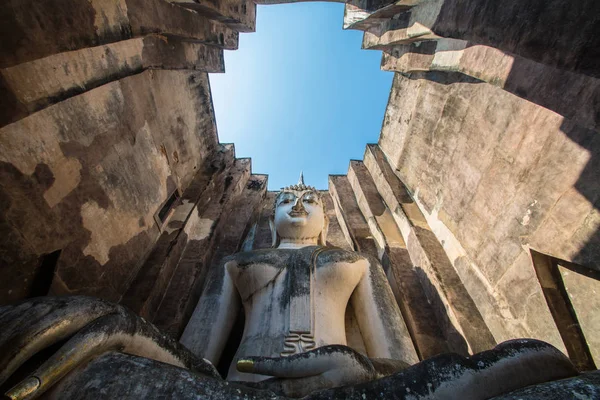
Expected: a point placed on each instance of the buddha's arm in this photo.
(208, 329)
(383, 329)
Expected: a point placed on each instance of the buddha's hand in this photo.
(90, 327)
(322, 368)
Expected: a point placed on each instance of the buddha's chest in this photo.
(293, 296)
(292, 280)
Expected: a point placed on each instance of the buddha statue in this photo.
(294, 297)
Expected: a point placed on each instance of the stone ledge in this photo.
(37, 84)
(239, 15)
(536, 82)
(357, 16)
(456, 311)
(347, 209)
(87, 24)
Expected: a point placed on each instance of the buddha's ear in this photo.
(322, 240)
(274, 241)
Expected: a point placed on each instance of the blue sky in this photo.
(300, 94)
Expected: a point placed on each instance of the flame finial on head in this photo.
(301, 179)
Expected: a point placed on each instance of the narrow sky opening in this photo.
(300, 94)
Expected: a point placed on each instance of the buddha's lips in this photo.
(297, 213)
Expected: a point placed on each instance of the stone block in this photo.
(544, 35)
(450, 291)
(463, 179)
(551, 180)
(416, 309)
(490, 302)
(262, 235)
(533, 81)
(404, 28)
(364, 15)
(337, 234)
(75, 25)
(479, 21)
(551, 239)
(39, 83)
(521, 288)
(495, 259)
(357, 225)
(570, 211)
(398, 117)
(368, 201)
(539, 321)
(239, 15)
(519, 283)
(407, 58)
(587, 241)
(418, 315)
(147, 288)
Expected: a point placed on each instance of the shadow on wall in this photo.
(533, 81)
(43, 277)
(556, 67)
(456, 341)
(576, 97)
(588, 185)
(554, 32)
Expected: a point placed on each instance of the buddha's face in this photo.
(299, 214)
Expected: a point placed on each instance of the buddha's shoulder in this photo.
(324, 254)
(260, 256)
(335, 254)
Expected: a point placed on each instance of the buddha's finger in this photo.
(122, 331)
(35, 324)
(311, 363)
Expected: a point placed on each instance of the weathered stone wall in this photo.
(494, 175)
(87, 175)
(106, 111)
(491, 131)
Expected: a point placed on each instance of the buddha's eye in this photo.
(310, 198)
(286, 199)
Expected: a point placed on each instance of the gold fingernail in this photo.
(245, 365)
(24, 389)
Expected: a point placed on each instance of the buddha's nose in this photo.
(298, 206)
